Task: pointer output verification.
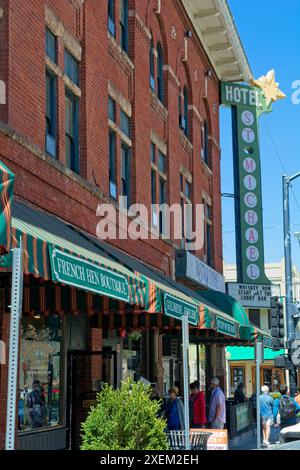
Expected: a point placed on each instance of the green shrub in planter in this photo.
(124, 419)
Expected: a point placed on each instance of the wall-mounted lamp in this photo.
(208, 73)
(189, 33)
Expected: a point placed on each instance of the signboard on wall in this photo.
(248, 103)
(251, 295)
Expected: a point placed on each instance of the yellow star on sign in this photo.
(269, 87)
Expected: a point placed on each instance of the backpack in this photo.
(287, 408)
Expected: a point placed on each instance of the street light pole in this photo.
(291, 332)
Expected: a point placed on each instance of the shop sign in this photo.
(225, 326)
(218, 440)
(251, 295)
(77, 272)
(177, 308)
(268, 342)
(203, 274)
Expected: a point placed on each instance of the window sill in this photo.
(206, 169)
(158, 106)
(123, 57)
(185, 142)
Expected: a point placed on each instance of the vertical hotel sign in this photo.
(248, 103)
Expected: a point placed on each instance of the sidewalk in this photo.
(251, 442)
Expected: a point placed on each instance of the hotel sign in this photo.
(77, 272)
(177, 308)
(251, 295)
(247, 103)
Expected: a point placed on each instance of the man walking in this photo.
(217, 409)
(266, 413)
(287, 408)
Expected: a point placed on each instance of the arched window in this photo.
(151, 59)
(160, 73)
(186, 111)
(205, 143)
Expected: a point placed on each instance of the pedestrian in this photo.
(239, 394)
(297, 397)
(286, 408)
(197, 406)
(217, 408)
(174, 411)
(266, 413)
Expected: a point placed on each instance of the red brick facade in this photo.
(45, 182)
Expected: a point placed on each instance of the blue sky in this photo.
(269, 30)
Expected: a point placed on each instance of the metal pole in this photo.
(258, 361)
(185, 355)
(290, 322)
(15, 314)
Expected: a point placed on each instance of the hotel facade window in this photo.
(112, 164)
(160, 73)
(111, 17)
(51, 45)
(72, 132)
(51, 105)
(208, 234)
(152, 64)
(158, 186)
(125, 179)
(124, 24)
(71, 67)
(205, 144)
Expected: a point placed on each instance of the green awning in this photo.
(6, 197)
(52, 250)
(227, 304)
(246, 353)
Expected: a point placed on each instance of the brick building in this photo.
(102, 99)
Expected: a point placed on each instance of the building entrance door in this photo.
(87, 372)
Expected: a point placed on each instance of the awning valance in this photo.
(6, 197)
(54, 251)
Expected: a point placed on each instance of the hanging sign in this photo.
(248, 103)
(177, 308)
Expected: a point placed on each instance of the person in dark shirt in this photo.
(239, 394)
(174, 411)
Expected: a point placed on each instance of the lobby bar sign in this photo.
(77, 272)
(177, 308)
(247, 104)
(251, 295)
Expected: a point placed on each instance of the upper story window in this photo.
(125, 124)
(111, 17)
(124, 24)
(160, 73)
(254, 316)
(183, 110)
(125, 177)
(152, 66)
(161, 162)
(71, 67)
(51, 49)
(111, 109)
(153, 159)
(72, 132)
(112, 165)
(205, 144)
(186, 110)
(51, 104)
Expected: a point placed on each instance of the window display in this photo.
(40, 368)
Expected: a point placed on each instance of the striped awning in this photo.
(54, 251)
(160, 296)
(6, 196)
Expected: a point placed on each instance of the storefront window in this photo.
(40, 368)
(197, 364)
